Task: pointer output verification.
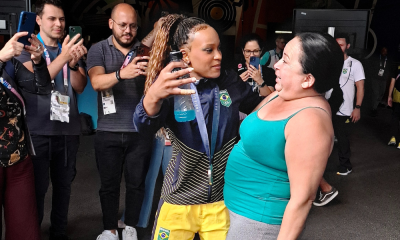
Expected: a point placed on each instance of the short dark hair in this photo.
(251, 37)
(323, 58)
(40, 5)
(343, 35)
(280, 36)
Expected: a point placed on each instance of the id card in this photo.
(380, 73)
(59, 107)
(107, 98)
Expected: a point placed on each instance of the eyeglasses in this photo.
(123, 27)
(255, 52)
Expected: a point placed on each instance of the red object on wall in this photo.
(269, 11)
(277, 10)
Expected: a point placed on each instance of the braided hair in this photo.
(175, 32)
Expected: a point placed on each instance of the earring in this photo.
(186, 60)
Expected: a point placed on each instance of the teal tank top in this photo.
(256, 179)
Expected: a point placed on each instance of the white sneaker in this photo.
(129, 233)
(108, 235)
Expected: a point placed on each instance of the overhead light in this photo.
(283, 32)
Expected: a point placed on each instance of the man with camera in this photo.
(118, 74)
(53, 119)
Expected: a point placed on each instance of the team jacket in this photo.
(186, 177)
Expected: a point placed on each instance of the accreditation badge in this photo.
(59, 107)
(380, 73)
(224, 98)
(107, 98)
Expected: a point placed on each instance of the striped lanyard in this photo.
(9, 87)
(48, 61)
(127, 59)
(210, 148)
(380, 62)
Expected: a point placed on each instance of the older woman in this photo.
(271, 181)
(17, 190)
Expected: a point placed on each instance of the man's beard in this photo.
(122, 44)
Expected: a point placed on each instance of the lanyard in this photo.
(48, 61)
(127, 59)
(276, 55)
(203, 128)
(380, 63)
(9, 87)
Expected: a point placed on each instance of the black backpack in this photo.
(86, 124)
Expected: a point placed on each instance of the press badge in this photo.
(59, 103)
(380, 73)
(59, 107)
(107, 98)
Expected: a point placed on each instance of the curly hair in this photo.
(175, 32)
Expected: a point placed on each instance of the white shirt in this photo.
(352, 72)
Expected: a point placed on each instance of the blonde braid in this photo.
(160, 50)
(162, 46)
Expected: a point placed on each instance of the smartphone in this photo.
(255, 61)
(26, 23)
(73, 30)
(142, 51)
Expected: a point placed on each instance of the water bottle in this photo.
(183, 105)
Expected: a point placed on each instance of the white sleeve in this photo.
(328, 94)
(358, 72)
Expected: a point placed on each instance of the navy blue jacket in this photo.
(186, 179)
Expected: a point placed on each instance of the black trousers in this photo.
(394, 125)
(342, 126)
(117, 152)
(55, 157)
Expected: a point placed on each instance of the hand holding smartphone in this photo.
(26, 23)
(255, 61)
(73, 31)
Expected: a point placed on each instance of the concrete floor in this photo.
(367, 206)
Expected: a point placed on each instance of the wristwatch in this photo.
(263, 84)
(75, 68)
(358, 106)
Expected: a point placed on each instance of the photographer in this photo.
(17, 190)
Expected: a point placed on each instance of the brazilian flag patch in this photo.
(224, 98)
(163, 234)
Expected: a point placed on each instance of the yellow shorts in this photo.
(181, 222)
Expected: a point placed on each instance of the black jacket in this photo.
(21, 79)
